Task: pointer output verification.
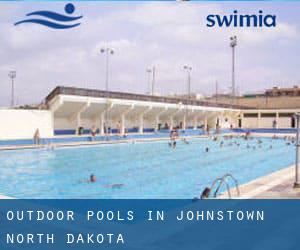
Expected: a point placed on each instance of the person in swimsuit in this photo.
(205, 193)
(93, 178)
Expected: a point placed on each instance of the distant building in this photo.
(275, 98)
(274, 92)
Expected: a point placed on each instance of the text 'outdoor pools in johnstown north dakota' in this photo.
(112, 217)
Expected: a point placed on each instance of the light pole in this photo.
(149, 72)
(107, 51)
(217, 91)
(188, 69)
(297, 181)
(153, 79)
(12, 75)
(153, 72)
(233, 44)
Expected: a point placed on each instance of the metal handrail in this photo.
(235, 182)
(220, 181)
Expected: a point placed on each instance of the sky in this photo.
(144, 34)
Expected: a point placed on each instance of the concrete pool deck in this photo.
(277, 185)
(130, 140)
(101, 142)
(5, 197)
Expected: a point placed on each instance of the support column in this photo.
(78, 122)
(217, 122)
(107, 120)
(123, 119)
(242, 119)
(156, 122)
(101, 128)
(205, 123)
(195, 123)
(171, 122)
(184, 122)
(277, 120)
(141, 124)
(171, 118)
(141, 119)
(54, 107)
(77, 116)
(157, 118)
(258, 119)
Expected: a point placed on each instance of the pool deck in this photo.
(5, 197)
(98, 142)
(277, 185)
(130, 140)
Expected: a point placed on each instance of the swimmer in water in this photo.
(248, 146)
(117, 185)
(207, 149)
(92, 178)
(174, 144)
(205, 193)
(185, 141)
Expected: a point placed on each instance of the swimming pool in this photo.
(147, 170)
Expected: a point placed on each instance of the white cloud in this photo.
(167, 35)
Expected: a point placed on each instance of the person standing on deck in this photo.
(36, 137)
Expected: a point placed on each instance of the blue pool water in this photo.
(147, 170)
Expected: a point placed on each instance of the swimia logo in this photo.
(242, 20)
(52, 19)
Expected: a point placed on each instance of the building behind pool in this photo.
(72, 111)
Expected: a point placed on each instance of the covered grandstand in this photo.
(76, 112)
(75, 108)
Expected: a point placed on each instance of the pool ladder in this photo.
(223, 180)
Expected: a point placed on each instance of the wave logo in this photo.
(53, 20)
